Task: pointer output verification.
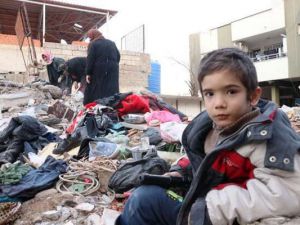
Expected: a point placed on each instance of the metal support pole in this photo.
(44, 23)
(107, 26)
(275, 94)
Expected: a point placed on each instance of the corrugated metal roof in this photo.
(70, 3)
(60, 18)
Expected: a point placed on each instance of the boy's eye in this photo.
(208, 94)
(231, 92)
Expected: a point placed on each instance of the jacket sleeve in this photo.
(272, 192)
(90, 61)
(199, 214)
(182, 166)
(57, 64)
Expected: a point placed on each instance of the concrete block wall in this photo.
(65, 51)
(134, 67)
(189, 105)
(11, 59)
(134, 71)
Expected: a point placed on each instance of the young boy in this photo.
(243, 153)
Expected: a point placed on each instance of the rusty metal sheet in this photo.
(23, 31)
(19, 28)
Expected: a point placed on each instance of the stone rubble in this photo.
(50, 207)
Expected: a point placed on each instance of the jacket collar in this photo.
(272, 126)
(194, 135)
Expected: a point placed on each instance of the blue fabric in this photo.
(36, 180)
(8, 199)
(149, 205)
(28, 148)
(22, 129)
(51, 137)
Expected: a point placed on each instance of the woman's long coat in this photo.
(103, 67)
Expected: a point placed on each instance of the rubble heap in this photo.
(71, 151)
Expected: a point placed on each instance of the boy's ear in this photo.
(255, 96)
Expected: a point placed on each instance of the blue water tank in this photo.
(154, 78)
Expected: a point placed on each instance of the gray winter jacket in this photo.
(251, 174)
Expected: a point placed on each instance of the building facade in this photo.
(272, 40)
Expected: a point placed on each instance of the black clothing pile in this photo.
(23, 134)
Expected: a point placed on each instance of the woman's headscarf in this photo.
(94, 34)
(48, 57)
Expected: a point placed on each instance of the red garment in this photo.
(184, 162)
(133, 104)
(234, 168)
(90, 105)
(79, 116)
(74, 123)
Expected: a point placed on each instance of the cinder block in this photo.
(134, 67)
(56, 51)
(128, 67)
(79, 53)
(50, 45)
(66, 52)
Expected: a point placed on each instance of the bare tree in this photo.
(192, 83)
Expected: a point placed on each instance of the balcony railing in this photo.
(259, 58)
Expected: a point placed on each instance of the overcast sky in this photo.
(168, 24)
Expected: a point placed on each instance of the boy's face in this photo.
(225, 97)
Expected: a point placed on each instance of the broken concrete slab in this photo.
(55, 92)
(7, 83)
(15, 99)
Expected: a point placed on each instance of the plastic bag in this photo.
(78, 96)
(125, 177)
(172, 131)
(106, 149)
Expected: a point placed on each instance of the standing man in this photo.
(102, 68)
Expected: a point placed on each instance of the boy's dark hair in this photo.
(233, 60)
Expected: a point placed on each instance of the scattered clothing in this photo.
(156, 104)
(133, 104)
(161, 116)
(13, 173)
(20, 130)
(114, 100)
(125, 177)
(36, 180)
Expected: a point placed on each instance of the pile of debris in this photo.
(59, 156)
(293, 113)
(63, 163)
